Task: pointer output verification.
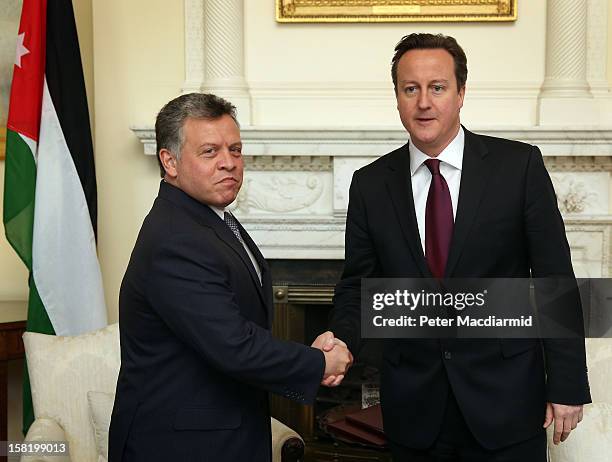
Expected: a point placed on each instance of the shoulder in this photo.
(173, 218)
(501, 146)
(391, 160)
(170, 228)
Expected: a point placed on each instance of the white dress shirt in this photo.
(220, 213)
(451, 160)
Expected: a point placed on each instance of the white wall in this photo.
(329, 74)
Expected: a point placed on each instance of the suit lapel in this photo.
(399, 186)
(475, 174)
(207, 217)
(226, 235)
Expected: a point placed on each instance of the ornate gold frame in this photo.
(395, 10)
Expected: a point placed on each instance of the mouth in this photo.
(425, 120)
(228, 180)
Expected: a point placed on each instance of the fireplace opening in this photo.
(303, 294)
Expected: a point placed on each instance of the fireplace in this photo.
(303, 291)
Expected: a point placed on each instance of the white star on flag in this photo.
(21, 49)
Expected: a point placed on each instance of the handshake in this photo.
(338, 358)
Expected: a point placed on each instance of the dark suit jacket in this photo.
(507, 225)
(197, 354)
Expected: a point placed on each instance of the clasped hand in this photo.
(338, 358)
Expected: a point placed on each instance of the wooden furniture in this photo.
(11, 347)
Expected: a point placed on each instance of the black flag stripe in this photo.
(64, 73)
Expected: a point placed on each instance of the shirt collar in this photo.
(220, 212)
(452, 154)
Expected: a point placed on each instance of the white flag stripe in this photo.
(31, 144)
(65, 263)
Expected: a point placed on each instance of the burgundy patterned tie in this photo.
(438, 221)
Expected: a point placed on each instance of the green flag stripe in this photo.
(19, 190)
(38, 321)
(19, 194)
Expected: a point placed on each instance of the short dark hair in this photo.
(431, 41)
(171, 119)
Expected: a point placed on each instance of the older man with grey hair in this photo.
(195, 310)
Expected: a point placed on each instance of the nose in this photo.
(226, 160)
(424, 101)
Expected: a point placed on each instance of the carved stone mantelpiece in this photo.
(560, 145)
(295, 193)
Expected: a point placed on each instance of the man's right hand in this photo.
(337, 358)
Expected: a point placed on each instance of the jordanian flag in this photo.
(49, 180)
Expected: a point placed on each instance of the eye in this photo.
(410, 90)
(208, 152)
(438, 88)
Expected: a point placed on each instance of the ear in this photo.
(461, 96)
(169, 162)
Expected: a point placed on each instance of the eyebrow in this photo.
(207, 145)
(215, 145)
(404, 82)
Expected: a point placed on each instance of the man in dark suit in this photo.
(195, 310)
(453, 204)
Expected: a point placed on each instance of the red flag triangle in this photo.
(29, 70)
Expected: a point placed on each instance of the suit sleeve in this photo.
(360, 261)
(189, 290)
(549, 252)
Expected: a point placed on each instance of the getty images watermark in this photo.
(486, 308)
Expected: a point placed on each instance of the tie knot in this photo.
(229, 219)
(433, 165)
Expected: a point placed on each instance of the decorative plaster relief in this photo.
(582, 193)
(300, 193)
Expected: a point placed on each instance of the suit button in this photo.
(447, 355)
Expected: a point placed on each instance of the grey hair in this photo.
(171, 119)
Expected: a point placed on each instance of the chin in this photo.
(423, 140)
(425, 133)
(226, 201)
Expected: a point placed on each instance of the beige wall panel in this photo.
(138, 66)
(362, 52)
(295, 70)
(610, 42)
